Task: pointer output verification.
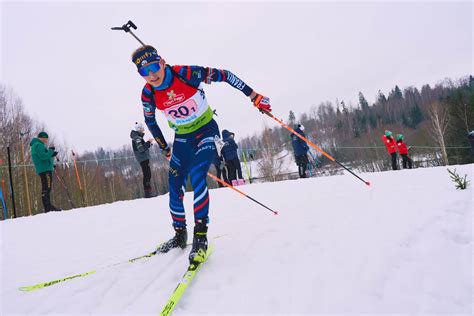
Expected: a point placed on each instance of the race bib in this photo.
(182, 111)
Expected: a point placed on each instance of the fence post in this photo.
(78, 178)
(11, 181)
(2, 192)
(246, 167)
(24, 173)
(4, 205)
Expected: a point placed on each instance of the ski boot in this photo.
(198, 252)
(179, 240)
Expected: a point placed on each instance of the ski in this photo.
(155, 252)
(49, 283)
(188, 276)
(38, 286)
(161, 248)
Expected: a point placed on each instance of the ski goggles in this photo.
(145, 70)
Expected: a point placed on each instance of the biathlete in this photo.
(176, 91)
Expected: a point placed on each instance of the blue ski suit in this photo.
(181, 99)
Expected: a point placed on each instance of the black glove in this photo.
(54, 154)
(52, 148)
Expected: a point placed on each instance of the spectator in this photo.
(231, 158)
(221, 169)
(471, 141)
(403, 150)
(300, 149)
(44, 165)
(141, 149)
(391, 147)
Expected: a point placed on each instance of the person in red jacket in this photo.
(403, 150)
(391, 147)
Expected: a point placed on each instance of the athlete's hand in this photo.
(262, 103)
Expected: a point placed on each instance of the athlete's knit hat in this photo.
(399, 136)
(144, 55)
(43, 135)
(388, 133)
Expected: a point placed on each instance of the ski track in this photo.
(402, 246)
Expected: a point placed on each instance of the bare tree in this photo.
(438, 114)
(270, 166)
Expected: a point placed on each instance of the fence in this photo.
(87, 182)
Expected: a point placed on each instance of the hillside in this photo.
(403, 245)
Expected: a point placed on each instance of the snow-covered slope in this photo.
(403, 245)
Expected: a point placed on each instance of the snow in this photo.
(402, 246)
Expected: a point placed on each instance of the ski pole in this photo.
(78, 178)
(126, 27)
(237, 190)
(229, 186)
(313, 145)
(25, 176)
(63, 184)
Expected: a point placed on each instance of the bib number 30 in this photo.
(183, 110)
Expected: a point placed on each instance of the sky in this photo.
(74, 73)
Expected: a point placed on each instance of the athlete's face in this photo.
(155, 78)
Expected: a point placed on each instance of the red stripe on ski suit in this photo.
(200, 206)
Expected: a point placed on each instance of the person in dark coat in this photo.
(389, 142)
(142, 154)
(221, 169)
(300, 149)
(403, 150)
(43, 159)
(231, 158)
(470, 136)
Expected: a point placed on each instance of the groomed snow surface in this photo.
(402, 246)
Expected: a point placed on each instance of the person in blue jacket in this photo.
(300, 149)
(177, 92)
(470, 136)
(232, 161)
(221, 169)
